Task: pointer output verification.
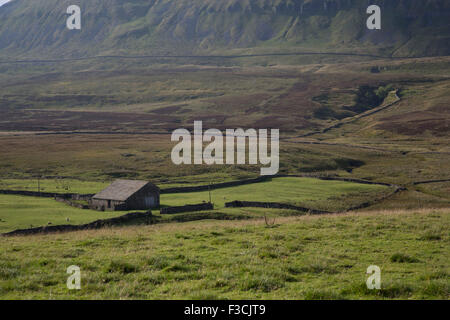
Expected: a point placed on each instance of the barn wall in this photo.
(100, 204)
(146, 198)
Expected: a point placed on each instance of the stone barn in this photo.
(127, 195)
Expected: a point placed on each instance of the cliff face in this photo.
(37, 28)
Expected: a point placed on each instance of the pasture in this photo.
(21, 212)
(307, 257)
(53, 185)
(18, 212)
(309, 192)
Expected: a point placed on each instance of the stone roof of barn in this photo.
(121, 190)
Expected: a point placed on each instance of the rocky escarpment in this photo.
(37, 28)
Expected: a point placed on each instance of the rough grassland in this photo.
(306, 257)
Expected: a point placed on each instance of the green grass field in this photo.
(309, 257)
(19, 212)
(53, 185)
(292, 190)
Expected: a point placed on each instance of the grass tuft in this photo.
(121, 267)
(403, 258)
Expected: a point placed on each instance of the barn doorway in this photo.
(150, 202)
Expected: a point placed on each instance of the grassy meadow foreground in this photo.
(308, 257)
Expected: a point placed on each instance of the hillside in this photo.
(37, 28)
(296, 258)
